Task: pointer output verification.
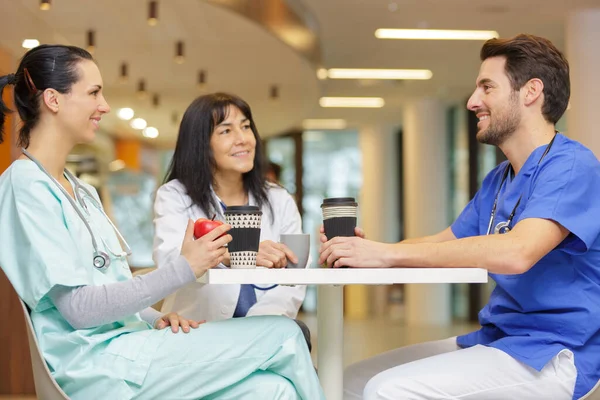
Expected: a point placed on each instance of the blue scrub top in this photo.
(556, 304)
(44, 243)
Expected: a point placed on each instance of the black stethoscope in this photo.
(504, 227)
(101, 259)
(224, 207)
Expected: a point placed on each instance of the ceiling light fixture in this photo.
(434, 34)
(179, 57)
(312, 124)
(91, 41)
(124, 73)
(201, 79)
(45, 5)
(352, 73)
(125, 113)
(30, 43)
(150, 132)
(352, 102)
(138, 123)
(322, 74)
(153, 13)
(141, 91)
(274, 92)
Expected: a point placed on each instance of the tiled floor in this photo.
(366, 338)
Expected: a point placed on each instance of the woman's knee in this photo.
(280, 325)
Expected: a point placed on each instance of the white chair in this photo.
(46, 387)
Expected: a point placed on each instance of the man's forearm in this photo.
(423, 239)
(501, 254)
(511, 253)
(442, 236)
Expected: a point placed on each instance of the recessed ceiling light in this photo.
(150, 132)
(125, 114)
(30, 43)
(138, 123)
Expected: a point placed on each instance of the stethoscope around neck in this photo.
(504, 226)
(101, 258)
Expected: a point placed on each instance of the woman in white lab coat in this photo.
(218, 162)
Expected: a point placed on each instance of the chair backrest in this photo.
(45, 386)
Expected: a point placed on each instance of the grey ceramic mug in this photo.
(299, 243)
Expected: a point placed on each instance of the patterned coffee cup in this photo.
(245, 224)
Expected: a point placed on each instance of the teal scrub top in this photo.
(556, 304)
(44, 243)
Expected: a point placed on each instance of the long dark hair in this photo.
(193, 162)
(41, 68)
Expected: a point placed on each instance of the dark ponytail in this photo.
(41, 68)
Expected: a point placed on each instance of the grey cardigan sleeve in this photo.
(89, 306)
(150, 315)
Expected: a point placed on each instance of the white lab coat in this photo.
(172, 209)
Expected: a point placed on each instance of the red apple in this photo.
(202, 226)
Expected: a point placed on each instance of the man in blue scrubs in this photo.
(534, 225)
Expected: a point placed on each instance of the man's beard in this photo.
(502, 125)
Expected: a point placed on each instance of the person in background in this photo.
(94, 323)
(273, 173)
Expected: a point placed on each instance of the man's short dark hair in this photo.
(529, 57)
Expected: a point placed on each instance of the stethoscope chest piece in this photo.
(101, 261)
(502, 227)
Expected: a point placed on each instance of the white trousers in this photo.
(442, 370)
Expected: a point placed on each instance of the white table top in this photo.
(344, 276)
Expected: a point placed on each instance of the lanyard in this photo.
(504, 227)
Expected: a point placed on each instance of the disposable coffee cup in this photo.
(299, 244)
(339, 216)
(245, 232)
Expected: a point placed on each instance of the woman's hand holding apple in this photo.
(207, 251)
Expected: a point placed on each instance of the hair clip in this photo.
(29, 82)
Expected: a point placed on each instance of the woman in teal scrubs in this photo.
(94, 323)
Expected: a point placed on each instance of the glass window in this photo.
(282, 151)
